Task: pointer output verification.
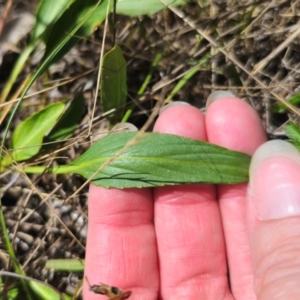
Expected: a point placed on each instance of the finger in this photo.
(188, 226)
(274, 220)
(232, 123)
(121, 247)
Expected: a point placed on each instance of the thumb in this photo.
(274, 220)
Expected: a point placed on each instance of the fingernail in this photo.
(274, 180)
(218, 95)
(124, 126)
(174, 103)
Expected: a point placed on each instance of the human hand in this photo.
(201, 233)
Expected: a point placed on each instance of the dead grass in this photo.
(254, 49)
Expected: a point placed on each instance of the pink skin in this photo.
(275, 244)
(185, 254)
(238, 128)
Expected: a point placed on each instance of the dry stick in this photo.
(5, 14)
(259, 66)
(18, 224)
(214, 60)
(258, 17)
(14, 235)
(181, 15)
(19, 220)
(10, 103)
(44, 200)
(162, 84)
(41, 242)
(45, 89)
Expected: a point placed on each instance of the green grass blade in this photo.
(12, 254)
(147, 80)
(71, 265)
(188, 76)
(144, 86)
(8, 244)
(136, 8)
(48, 12)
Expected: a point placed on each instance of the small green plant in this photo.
(293, 132)
(280, 107)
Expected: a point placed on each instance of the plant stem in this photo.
(54, 170)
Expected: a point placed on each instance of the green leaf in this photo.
(113, 88)
(281, 108)
(28, 136)
(157, 159)
(13, 293)
(79, 19)
(44, 291)
(136, 8)
(69, 121)
(293, 132)
(71, 265)
(125, 160)
(38, 289)
(48, 12)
